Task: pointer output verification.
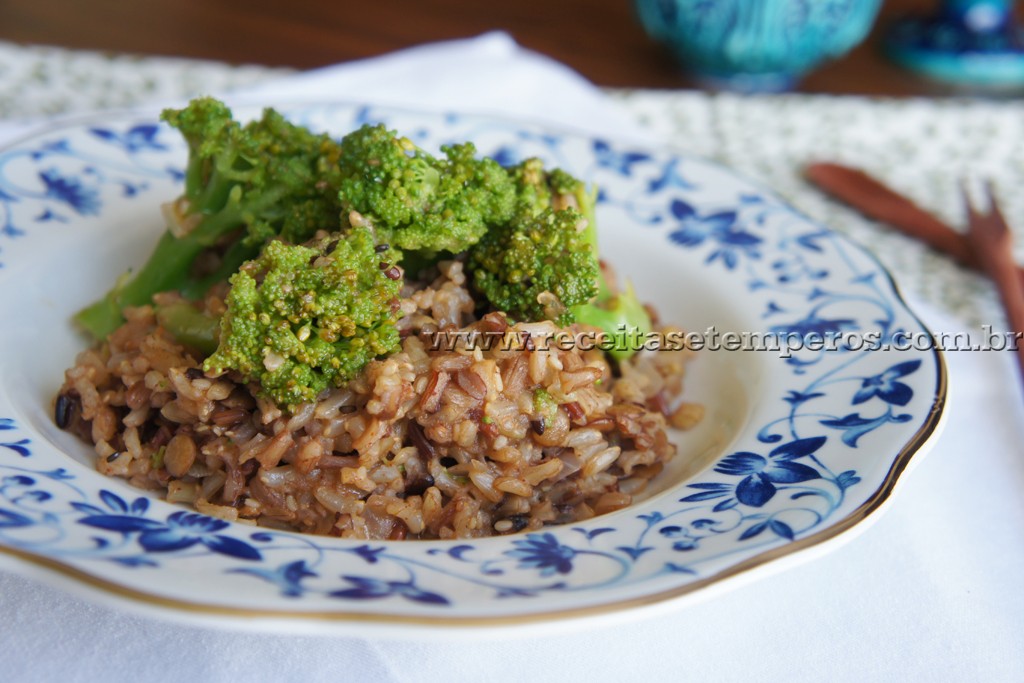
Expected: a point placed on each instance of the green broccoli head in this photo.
(533, 189)
(539, 189)
(269, 175)
(303, 318)
(537, 267)
(620, 315)
(243, 184)
(416, 201)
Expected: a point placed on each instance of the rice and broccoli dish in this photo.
(358, 338)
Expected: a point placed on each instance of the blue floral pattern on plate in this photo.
(793, 471)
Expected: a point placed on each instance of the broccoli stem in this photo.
(190, 326)
(264, 177)
(622, 317)
(237, 254)
(587, 201)
(101, 318)
(166, 269)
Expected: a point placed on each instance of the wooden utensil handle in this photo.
(877, 201)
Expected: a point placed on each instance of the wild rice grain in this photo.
(576, 413)
(417, 486)
(64, 410)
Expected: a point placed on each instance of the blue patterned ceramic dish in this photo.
(968, 42)
(756, 45)
(794, 451)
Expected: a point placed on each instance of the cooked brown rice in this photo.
(476, 427)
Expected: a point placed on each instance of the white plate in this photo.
(794, 450)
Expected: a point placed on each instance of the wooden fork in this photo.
(992, 244)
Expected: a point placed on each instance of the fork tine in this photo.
(994, 211)
(973, 215)
(983, 197)
(992, 240)
(990, 221)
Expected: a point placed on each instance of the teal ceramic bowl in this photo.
(756, 45)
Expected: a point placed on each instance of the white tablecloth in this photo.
(930, 591)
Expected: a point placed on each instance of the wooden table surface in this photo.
(599, 38)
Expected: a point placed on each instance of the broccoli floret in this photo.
(301, 319)
(539, 189)
(543, 262)
(536, 267)
(416, 201)
(543, 404)
(620, 315)
(243, 186)
(572, 263)
(533, 186)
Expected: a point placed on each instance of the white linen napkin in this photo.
(930, 591)
(489, 74)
